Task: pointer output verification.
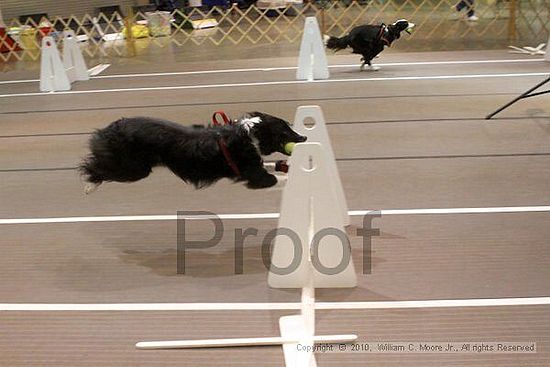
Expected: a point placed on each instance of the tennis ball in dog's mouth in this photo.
(289, 147)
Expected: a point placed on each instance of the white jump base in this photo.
(240, 342)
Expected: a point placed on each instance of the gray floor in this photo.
(400, 143)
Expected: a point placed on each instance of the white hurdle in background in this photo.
(312, 61)
(55, 74)
(308, 203)
(52, 72)
(72, 58)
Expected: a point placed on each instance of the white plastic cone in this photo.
(312, 62)
(52, 72)
(318, 133)
(72, 58)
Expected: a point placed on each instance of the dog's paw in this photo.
(281, 183)
(91, 187)
(373, 68)
(262, 182)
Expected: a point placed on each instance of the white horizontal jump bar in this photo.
(136, 218)
(505, 209)
(240, 342)
(282, 82)
(442, 303)
(102, 67)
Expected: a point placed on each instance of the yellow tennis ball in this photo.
(289, 147)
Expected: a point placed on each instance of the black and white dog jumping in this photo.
(369, 40)
(129, 148)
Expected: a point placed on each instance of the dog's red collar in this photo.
(381, 34)
(221, 143)
(230, 162)
(226, 120)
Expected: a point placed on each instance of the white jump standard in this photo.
(307, 210)
(318, 133)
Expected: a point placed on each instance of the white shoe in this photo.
(472, 18)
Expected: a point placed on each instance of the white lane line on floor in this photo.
(283, 82)
(223, 71)
(168, 217)
(374, 305)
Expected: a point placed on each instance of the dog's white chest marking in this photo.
(248, 123)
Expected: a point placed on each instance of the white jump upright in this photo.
(53, 76)
(307, 209)
(74, 63)
(312, 61)
(318, 133)
(57, 74)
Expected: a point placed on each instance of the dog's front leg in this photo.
(259, 178)
(370, 66)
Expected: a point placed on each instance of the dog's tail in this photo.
(90, 168)
(336, 44)
(87, 170)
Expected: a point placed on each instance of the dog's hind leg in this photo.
(128, 172)
(88, 170)
(96, 170)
